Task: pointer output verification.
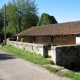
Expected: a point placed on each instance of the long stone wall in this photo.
(37, 48)
(66, 55)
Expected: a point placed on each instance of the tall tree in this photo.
(46, 19)
(1, 21)
(21, 14)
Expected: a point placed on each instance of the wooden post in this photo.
(51, 38)
(33, 39)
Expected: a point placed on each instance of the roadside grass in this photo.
(32, 57)
(71, 74)
(51, 69)
(38, 59)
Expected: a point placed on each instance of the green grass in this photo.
(54, 70)
(71, 74)
(32, 57)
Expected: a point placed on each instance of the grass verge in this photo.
(71, 74)
(51, 69)
(32, 57)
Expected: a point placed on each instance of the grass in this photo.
(71, 74)
(51, 69)
(38, 59)
(32, 57)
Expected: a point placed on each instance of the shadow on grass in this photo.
(6, 56)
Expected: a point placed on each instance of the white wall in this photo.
(77, 40)
(37, 48)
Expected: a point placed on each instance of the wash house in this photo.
(55, 34)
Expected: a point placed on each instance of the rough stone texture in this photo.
(32, 47)
(66, 56)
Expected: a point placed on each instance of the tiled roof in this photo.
(68, 28)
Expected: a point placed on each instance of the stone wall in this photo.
(66, 56)
(37, 48)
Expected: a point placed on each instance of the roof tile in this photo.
(68, 28)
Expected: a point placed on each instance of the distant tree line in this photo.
(21, 15)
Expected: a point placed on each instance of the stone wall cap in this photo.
(65, 45)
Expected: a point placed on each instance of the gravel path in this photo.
(13, 68)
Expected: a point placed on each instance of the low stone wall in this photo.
(66, 56)
(37, 48)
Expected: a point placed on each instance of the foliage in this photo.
(22, 39)
(2, 36)
(20, 14)
(32, 57)
(1, 21)
(71, 74)
(51, 69)
(46, 19)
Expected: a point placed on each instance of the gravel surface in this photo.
(13, 68)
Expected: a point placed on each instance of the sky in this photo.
(62, 10)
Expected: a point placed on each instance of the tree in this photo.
(21, 14)
(46, 19)
(1, 21)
